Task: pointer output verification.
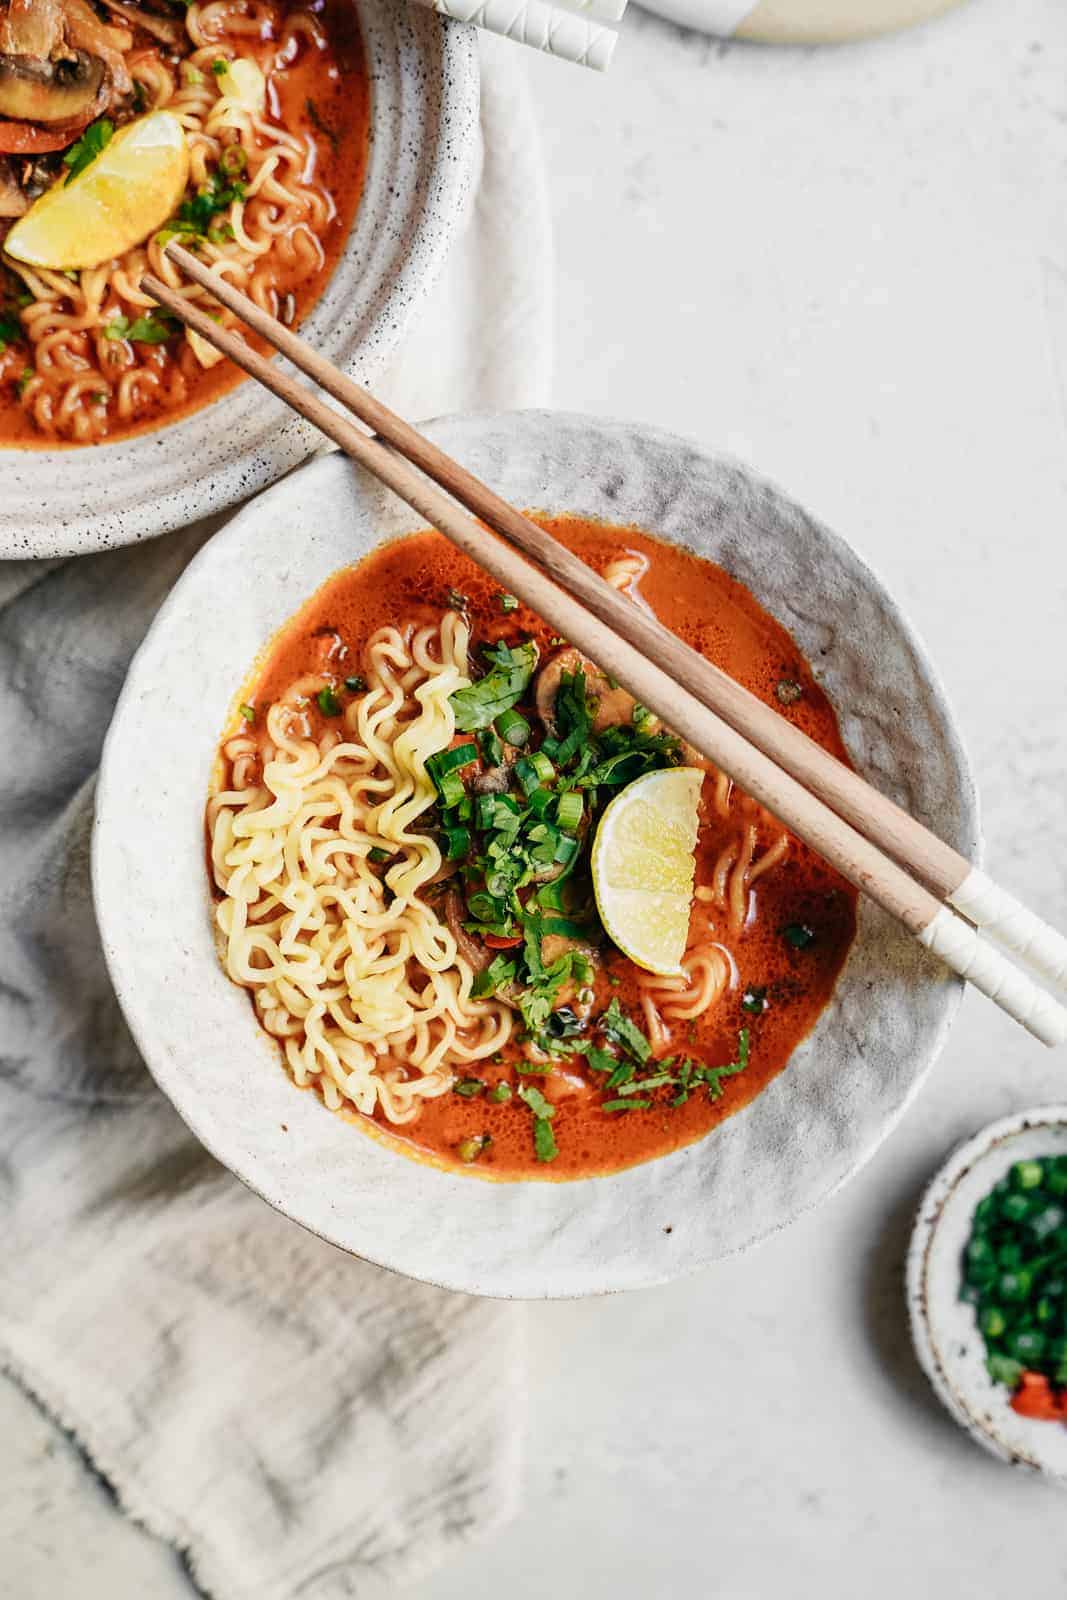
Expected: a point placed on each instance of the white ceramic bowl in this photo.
(947, 1339)
(814, 1125)
(423, 74)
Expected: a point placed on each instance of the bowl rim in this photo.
(961, 1161)
(601, 1278)
(439, 204)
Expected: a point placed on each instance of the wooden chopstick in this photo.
(616, 643)
(943, 869)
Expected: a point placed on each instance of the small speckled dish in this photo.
(947, 1339)
(423, 73)
(811, 1128)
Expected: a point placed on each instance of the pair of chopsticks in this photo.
(949, 906)
(575, 33)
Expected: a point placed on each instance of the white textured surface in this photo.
(850, 267)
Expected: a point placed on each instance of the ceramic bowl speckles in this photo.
(947, 1340)
(804, 1135)
(424, 80)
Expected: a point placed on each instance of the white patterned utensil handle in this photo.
(964, 949)
(556, 33)
(1016, 929)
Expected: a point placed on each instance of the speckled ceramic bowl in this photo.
(947, 1340)
(804, 1135)
(424, 146)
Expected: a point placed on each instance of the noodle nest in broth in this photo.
(400, 839)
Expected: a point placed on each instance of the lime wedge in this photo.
(130, 189)
(643, 867)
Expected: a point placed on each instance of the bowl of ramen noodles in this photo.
(495, 981)
(317, 153)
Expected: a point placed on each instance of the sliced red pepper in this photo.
(1036, 1398)
(26, 139)
(501, 941)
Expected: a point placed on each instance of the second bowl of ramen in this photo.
(469, 912)
(317, 155)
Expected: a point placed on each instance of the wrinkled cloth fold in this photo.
(299, 1425)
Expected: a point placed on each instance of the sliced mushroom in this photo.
(83, 30)
(613, 704)
(51, 92)
(31, 28)
(13, 199)
(168, 30)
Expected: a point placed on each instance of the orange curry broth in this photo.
(327, 95)
(408, 581)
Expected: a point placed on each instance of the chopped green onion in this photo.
(378, 855)
(501, 1093)
(569, 811)
(540, 800)
(458, 843)
(486, 810)
(755, 1001)
(248, 712)
(450, 788)
(470, 1149)
(626, 1105)
(355, 683)
(468, 1087)
(461, 755)
(564, 928)
(490, 746)
(534, 770)
(328, 702)
(508, 602)
(567, 850)
(512, 728)
(798, 935)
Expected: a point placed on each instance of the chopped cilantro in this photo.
(545, 1147)
(96, 138)
(479, 704)
(536, 1101)
(617, 1027)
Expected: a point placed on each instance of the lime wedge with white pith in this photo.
(128, 191)
(643, 867)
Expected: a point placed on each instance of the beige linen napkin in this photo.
(300, 1426)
